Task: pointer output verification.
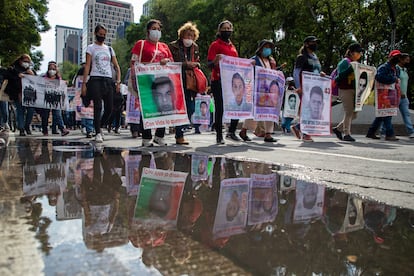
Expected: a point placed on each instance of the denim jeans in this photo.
(57, 120)
(88, 124)
(387, 124)
(405, 114)
(24, 115)
(4, 113)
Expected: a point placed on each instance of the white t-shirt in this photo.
(101, 60)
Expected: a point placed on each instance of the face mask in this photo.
(225, 35)
(187, 42)
(154, 35)
(266, 52)
(313, 47)
(100, 38)
(25, 65)
(52, 73)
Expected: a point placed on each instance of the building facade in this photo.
(111, 14)
(68, 44)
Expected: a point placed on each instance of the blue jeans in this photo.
(88, 124)
(286, 123)
(57, 119)
(4, 113)
(376, 124)
(405, 114)
(24, 115)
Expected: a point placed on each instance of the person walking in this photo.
(387, 73)
(185, 50)
(347, 91)
(221, 46)
(404, 102)
(99, 59)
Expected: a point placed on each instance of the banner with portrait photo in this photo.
(71, 93)
(287, 182)
(237, 81)
(132, 173)
(231, 213)
(199, 167)
(82, 112)
(364, 80)
(263, 201)
(291, 104)
(354, 217)
(309, 201)
(44, 93)
(315, 118)
(268, 94)
(387, 99)
(202, 110)
(133, 113)
(161, 95)
(159, 198)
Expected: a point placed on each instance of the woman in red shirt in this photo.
(151, 50)
(221, 46)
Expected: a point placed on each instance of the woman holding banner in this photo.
(151, 50)
(221, 46)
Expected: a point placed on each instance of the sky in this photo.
(69, 13)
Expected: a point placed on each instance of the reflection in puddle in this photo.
(198, 214)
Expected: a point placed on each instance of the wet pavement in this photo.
(73, 207)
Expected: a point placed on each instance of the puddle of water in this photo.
(131, 212)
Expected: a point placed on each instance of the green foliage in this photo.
(68, 70)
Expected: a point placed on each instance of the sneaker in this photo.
(307, 138)
(134, 134)
(373, 136)
(391, 138)
(270, 139)
(99, 138)
(232, 136)
(65, 132)
(338, 133)
(244, 136)
(147, 143)
(348, 138)
(83, 130)
(89, 135)
(296, 131)
(22, 133)
(181, 141)
(160, 141)
(6, 126)
(55, 132)
(28, 131)
(116, 130)
(411, 136)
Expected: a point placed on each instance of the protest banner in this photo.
(315, 118)
(161, 96)
(364, 80)
(237, 81)
(133, 113)
(82, 112)
(44, 93)
(201, 113)
(309, 201)
(268, 94)
(387, 99)
(291, 104)
(71, 93)
(199, 170)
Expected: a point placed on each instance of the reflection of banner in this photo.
(202, 110)
(315, 118)
(263, 202)
(364, 79)
(309, 201)
(159, 197)
(287, 182)
(387, 100)
(44, 93)
(71, 92)
(354, 217)
(132, 109)
(291, 104)
(132, 174)
(44, 179)
(199, 165)
(268, 94)
(237, 85)
(231, 214)
(161, 95)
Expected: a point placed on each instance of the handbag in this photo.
(190, 80)
(201, 80)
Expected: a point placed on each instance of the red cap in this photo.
(394, 53)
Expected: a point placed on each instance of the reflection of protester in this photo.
(346, 85)
(286, 121)
(310, 195)
(387, 73)
(185, 50)
(404, 102)
(221, 46)
(233, 206)
(263, 58)
(309, 62)
(99, 60)
(151, 50)
(14, 74)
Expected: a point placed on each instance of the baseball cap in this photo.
(311, 38)
(394, 53)
(355, 47)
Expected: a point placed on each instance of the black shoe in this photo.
(348, 138)
(28, 131)
(338, 133)
(244, 136)
(219, 139)
(22, 133)
(270, 139)
(232, 136)
(373, 136)
(55, 132)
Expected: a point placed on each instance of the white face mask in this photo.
(187, 42)
(25, 65)
(52, 73)
(154, 35)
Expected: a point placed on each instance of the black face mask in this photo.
(225, 35)
(394, 60)
(100, 38)
(313, 47)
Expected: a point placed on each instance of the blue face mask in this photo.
(266, 52)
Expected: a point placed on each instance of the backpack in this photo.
(334, 80)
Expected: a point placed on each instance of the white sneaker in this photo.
(411, 136)
(98, 138)
(147, 143)
(160, 141)
(6, 126)
(83, 130)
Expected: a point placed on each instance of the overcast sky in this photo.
(69, 13)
